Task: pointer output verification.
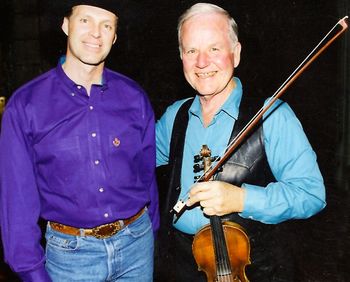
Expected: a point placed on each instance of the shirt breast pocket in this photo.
(124, 157)
(60, 164)
(125, 145)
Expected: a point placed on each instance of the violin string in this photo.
(267, 104)
(221, 251)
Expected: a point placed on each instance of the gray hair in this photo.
(207, 8)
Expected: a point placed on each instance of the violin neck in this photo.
(222, 258)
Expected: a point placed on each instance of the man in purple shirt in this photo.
(77, 149)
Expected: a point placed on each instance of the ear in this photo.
(65, 25)
(237, 54)
(115, 38)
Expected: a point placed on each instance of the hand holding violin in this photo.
(217, 197)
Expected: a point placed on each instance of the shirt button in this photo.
(73, 94)
(116, 142)
(93, 134)
(101, 189)
(97, 162)
(91, 108)
(79, 87)
(106, 215)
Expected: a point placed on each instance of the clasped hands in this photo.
(217, 197)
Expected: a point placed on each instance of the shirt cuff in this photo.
(254, 201)
(37, 275)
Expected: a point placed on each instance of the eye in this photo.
(215, 49)
(108, 26)
(83, 20)
(190, 51)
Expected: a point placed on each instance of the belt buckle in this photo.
(106, 230)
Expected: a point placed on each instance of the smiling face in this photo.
(208, 54)
(91, 33)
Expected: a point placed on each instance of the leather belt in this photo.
(100, 232)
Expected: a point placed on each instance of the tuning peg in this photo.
(196, 178)
(197, 168)
(197, 158)
(216, 158)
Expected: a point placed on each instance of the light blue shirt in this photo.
(299, 191)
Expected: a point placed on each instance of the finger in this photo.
(197, 197)
(209, 211)
(207, 203)
(193, 195)
(191, 200)
(198, 187)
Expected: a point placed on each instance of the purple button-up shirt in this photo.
(74, 159)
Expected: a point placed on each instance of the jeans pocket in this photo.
(60, 241)
(141, 226)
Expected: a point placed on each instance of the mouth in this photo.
(92, 45)
(206, 74)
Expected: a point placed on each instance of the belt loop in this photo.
(82, 232)
(121, 222)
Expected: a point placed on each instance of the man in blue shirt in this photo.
(77, 149)
(271, 178)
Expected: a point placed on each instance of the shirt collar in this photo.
(70, 83)
(230, 107)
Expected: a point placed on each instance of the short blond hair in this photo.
(207, 8)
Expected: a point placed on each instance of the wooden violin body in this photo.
(238, 249)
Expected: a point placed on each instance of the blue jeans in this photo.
(126, 256)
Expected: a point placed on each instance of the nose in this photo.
(95, 31)
(202, 60)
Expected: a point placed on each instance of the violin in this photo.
(220, 249)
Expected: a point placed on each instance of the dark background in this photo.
(275, 37)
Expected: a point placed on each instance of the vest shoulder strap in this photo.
(170, 175)
(179, 130)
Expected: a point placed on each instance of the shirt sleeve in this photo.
(19, 199)
(148, 165)
(299, 191)
(163, 135)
